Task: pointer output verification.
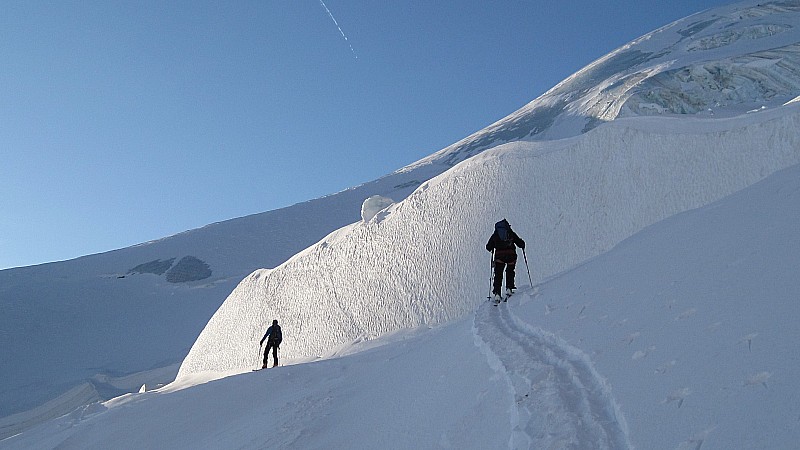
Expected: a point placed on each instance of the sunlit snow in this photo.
(424, 262)
(657, 190)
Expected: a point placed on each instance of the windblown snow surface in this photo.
(678, 337)
(94, 328)
(422, 261)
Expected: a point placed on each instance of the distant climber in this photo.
(503, 245)
(273, 336)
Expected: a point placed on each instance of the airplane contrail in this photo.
(337, 26)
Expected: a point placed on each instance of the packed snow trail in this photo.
(561, 400)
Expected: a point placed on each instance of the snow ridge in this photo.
(571, 200)
(561, 400)
(719, 63)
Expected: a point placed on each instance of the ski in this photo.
(496, 300)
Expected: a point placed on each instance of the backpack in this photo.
(275, 335)
(504, 233)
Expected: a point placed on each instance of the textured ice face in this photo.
(571, 199)
(425, 263)
(719, 63)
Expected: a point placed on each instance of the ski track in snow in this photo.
(560, 399)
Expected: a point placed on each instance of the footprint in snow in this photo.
(666, 366)
(696, 441)
(678, 395)
(759, 378)
(631, 337)
(641, 354)
(749, 340)
(686, 314)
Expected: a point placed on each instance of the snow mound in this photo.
(373, 205)
(571, 200)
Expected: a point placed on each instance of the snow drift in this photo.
(682, 331)
(718, 63)
(422, 262)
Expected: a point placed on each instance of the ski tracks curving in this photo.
(561, 402)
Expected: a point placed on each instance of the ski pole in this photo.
(491, 275)
(526, 266)
(258, 358)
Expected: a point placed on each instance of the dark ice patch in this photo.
(156, 267)
(187, 269)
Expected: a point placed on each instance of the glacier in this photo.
(678, 337)
(717, 64)
(571, 200)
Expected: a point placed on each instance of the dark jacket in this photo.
(274, 334)
(496, 244)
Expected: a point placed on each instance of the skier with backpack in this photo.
(503, 245)
(273, 336)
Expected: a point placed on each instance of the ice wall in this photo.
(570, 200)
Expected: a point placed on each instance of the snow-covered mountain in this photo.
(79, 325)
(721, 62)
(423, 262)
(679, 337)
(98, 318)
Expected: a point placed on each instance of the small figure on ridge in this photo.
(273, 336)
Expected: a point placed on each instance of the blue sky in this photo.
(123, 122)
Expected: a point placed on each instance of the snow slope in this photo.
(693, 322)
(67, 327)
(680, 337)
(421, 261)
(717, 63)
(63, 324)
